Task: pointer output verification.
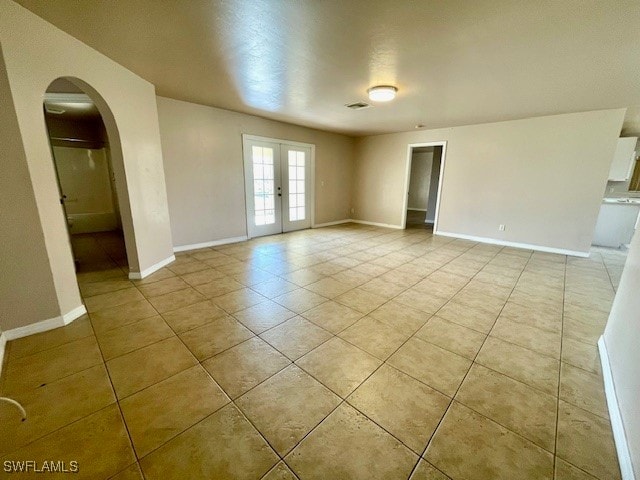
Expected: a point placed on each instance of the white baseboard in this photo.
(504, 243)
(213, 243)
(376, 224)
(3, 343)
(45, 325)
(417, 209)
(330, 224)
(154, 268)
(619, 436)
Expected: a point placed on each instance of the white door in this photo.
(278, 186)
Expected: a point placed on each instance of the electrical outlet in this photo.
(353, 210)
(501, 228)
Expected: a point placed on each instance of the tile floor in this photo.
(337, 353)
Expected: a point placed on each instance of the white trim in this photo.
(622, 447)
(45, 325)
(213, 243)
(505, 243)
(3, 342)
(376, 224)
(407, 179)
(329, 224)
(416, 209)
(153, 268)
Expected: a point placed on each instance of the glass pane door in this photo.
(262, 183)
(296, 182)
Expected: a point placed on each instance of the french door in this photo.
(278, 186)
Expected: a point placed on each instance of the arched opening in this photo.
(87, 156)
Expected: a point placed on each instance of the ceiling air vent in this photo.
(357, 105)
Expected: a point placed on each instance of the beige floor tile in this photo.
(514, 405)
(382, 288)
(432, 287)
(193, 316)
(202, 276)
(586, 315)
(585, 440)
(332, 316)
(303, 277)
(132, 472)
(583, 389)
(119, 341)
(253, 276)
(141, 368)
(280, 472)
(352, 278)
(162, 411)
(582, 331)
(405, 278)
(295, 337)
(566, 471)
(55, 405)
(473, 318)
(238, 300)
(244, 366)
(438, 368)
(533, 317)
(287, 406)
(426, 302)
(274, 287)
(498, 453)
(115, 317)
(421, 407)
(581, 355)
(106, 286)
(339, 365)
(480, 301)
(26, 373)
(154, 277)
(263, 316)
(21, 347)
(328, 287)
(98, 443)
(492, 290)
(300, 300)
(541, 341)
(589, 301)
(223, 445)
(426, 471)
(348, 445)
(374, 337)
(112, 299)
(219, 286)
(175, 300)
(161, 287)
(361, 300)
(404, 319)
(370, 269)
(215, 337)
(452, 337)
(187, 267)
(527, 366)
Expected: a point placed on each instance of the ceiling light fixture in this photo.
(382, 93)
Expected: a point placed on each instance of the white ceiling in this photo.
(455, 62)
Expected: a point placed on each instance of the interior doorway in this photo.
(86, 181)
(278, 185)
(425, 166)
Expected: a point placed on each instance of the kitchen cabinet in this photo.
(616, 223)
(623, 160)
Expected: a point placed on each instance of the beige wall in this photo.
(621, 338)
(420, 180)
(24, 266)
(35, 54)
(542, 177)
(202, 150)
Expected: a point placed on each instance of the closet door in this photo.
(263, 187)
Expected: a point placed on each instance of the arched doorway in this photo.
(86, 152)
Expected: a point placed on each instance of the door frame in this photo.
(312, 171)
(407, 180)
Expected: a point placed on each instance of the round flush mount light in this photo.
(382, 93)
